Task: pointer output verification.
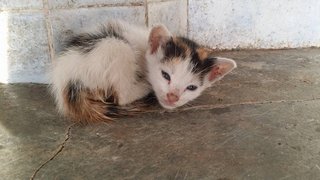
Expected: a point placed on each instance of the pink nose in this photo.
(172, 98)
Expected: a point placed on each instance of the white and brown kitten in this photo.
(100, 74)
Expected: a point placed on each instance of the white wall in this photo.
(227, 24)
(31, 33)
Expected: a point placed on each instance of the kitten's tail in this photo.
(87, 106)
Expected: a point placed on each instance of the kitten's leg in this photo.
(133, 93)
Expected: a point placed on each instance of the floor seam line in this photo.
(57, 152)
(210, 107)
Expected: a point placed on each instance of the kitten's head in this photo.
(179, 69)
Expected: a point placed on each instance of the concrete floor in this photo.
(260, 122)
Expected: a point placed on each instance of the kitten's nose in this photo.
(172, 98)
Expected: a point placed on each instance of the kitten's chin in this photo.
(166, 105)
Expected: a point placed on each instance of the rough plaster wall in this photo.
(36, 28)
(227, 24)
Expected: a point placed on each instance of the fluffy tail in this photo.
(90, 106)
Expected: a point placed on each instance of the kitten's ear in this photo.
(159, 35)
(221, 67)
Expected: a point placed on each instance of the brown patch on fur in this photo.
(203, 53)
(89, 106)
(92, 106)
(185, 48)
(175, 61)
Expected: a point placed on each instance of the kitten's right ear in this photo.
(221, 67)
(158, 36)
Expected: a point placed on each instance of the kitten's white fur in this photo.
(181, 76)
(114, 63)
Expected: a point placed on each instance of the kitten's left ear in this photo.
(220, 68)
(159, 35)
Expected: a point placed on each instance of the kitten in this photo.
(100, 74)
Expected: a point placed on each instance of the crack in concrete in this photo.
(58, 151)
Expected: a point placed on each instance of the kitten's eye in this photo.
(192, 87)
(165, 75)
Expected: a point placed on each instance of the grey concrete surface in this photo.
(260, 122)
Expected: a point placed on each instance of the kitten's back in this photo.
(92, 76)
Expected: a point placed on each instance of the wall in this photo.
(227, 24)
(31, 31)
